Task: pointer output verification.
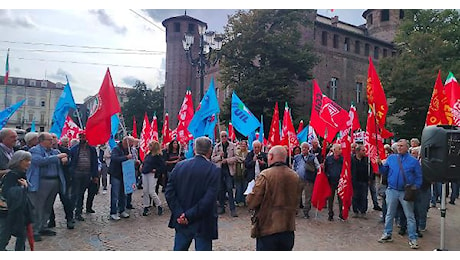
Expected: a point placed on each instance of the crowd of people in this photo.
(34, 173)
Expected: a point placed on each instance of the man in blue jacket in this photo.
(191, 194)
(401, 169)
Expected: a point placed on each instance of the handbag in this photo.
(410, 190)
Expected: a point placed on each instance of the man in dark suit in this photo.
(255, 162)
(191, 194)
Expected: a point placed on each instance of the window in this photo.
(44, 84)
(42, 129)
(385, 15)
(334, 88)
(191, 28)
(324, 38)
(366, 49)
(20, 81)
(335, 42)
(385, 53)
(376, 53)
(31, 101)
(346, 44)
(370, 19)
(401, 14)
(359, 90)
(176, 27)
(42, 103)
(19, 116)
(32, 83)
(31, 117)
(357, 47)
(42, 118)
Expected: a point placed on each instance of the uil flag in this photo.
(453, 96)
(7, 67)
(439, 104)
(274, 134)
(288, 136)
(8, 112)
(165, 131)
(205, 119)
(373, 141)
(321, 190)
(70, 129)
(261, 130)
(105, 104)
(154, 128)
(184, 117)
(64, 104)
(114, 122)
(345, 187)
(242, 119)
(32, 126)
(145, 137)
(300, 127)
(134, 127)
(231, 132)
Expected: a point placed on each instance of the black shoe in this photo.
(70, 224)
(47, 232)
(37, 238)
(402, 231)
(221, 211)
(79, 218)
(452, 202)
(233, 213)
(301, 206)
(330, 218)
(146, 212)
(130, 207)
(51, 224)
(90, 211)
(160, 210)
(306, 216)
(419, 234)
(378, 208)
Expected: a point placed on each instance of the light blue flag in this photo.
(242, 119)
(261, 130)
(205, 117)
(302, 136)
(63, 105)
(32, 126)
(8, 112)
(251, 139)
(189, 153)
(114, 122)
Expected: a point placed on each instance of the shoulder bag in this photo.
(410, 190)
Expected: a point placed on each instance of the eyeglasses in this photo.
(48, 139)
(223, 136)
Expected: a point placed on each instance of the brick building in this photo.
(343, 50)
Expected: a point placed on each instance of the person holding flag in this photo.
(333, 168)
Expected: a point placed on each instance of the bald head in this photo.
(277, 154)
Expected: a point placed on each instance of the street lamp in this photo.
(208, 42)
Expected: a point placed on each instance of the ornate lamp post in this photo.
(208, 42)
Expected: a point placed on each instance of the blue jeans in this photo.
(184, 237)
(117, 196)
(393, 197)
(436, 192)
(226, 187)
(421, 206)
(283, 241)
(240, 187)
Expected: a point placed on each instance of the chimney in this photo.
(334, 21)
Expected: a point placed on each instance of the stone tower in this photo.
(180, 75)
(383, 23)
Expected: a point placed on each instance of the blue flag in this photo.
(205, 118)
(32, 126)
(8, 112)
(189, 153)
(114, 121)
(251, 139)
(242, 119)
(303, 135)
(261, 130)
(63, 105)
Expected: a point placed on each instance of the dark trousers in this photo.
(330, 202)
(93, 189)
(66, 204)
(226, 187)
(5, 236)
(184, 237)
(373, 192)
(79, 186)
(283, 241)
(359, 201)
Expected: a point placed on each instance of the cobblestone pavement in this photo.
(139, 233)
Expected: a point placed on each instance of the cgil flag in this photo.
(64, 104)
(70, 129)
(184, 117)
(242, 119)
(274, 134)
(145, 137)
(321, 190)
(439, 104)
(345, 187)
(8, 112)
(154, 128)
(165, 131)
(288, 135)
(453, 96)
(103, 107)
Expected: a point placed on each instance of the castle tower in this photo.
(180, 75)
(383, 23)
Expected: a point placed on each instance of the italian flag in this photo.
(453, 96)
(7, 67)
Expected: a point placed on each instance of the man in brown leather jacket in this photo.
(275, 198)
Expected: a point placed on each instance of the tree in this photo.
(427, 41)
(264, 58)
(141, 100)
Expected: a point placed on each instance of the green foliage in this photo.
(141, 100)
(263, 59)
(427, 41)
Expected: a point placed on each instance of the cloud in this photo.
(8, 20)
(105, 19)
(130, 80)
(60, 76)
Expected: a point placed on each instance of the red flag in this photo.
(345, 187)
(184, 117)
(373, 142)
(353, 114)
(165, 131)
(105, 104)
(70, 129)
(145, 137)
(321, 190)
(288, 136)
(376, 96)
(300, 127)
(134, 127)
(452, 91)
(30, 236)
(154, 129)
(231, 132)
(274, 134)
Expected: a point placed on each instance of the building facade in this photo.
(341, 73)
(41, 99)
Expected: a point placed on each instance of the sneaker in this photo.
(104, 191)
(385, 238)
(146, 212)
(114, 217)
(160, 210)
(341, 218)
(124, 214)
(130, 207)
(452, 202)
(413, 244)
(378, 208)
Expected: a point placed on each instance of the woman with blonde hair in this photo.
(152, 168)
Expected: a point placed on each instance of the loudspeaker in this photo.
(440, 153)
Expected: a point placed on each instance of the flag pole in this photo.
(79, 118)
(377, 130)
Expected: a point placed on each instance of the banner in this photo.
(129, 176)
